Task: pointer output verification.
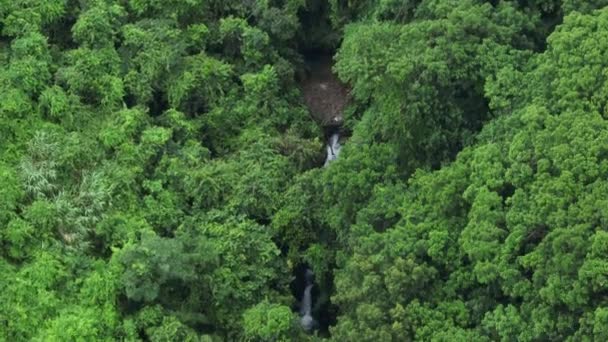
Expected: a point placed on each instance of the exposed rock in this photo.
(325, 96)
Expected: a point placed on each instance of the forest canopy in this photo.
(162, 178)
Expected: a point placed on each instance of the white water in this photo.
(333, 148)
(306, 320)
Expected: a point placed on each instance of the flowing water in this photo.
(307, 322)
(326, 98)
(333, 148)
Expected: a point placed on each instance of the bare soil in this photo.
(325, 96)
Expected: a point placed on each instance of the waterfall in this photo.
(333, 148)
(307, 322)
(306, 301)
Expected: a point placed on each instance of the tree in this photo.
(269, 322)
(160, 175)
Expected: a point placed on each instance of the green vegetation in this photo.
(161, 179)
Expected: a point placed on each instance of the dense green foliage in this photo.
(160, 179)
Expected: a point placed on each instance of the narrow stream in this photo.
(326, 97)
(307, 322)
(333, 148)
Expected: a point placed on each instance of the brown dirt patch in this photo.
(325, 96)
